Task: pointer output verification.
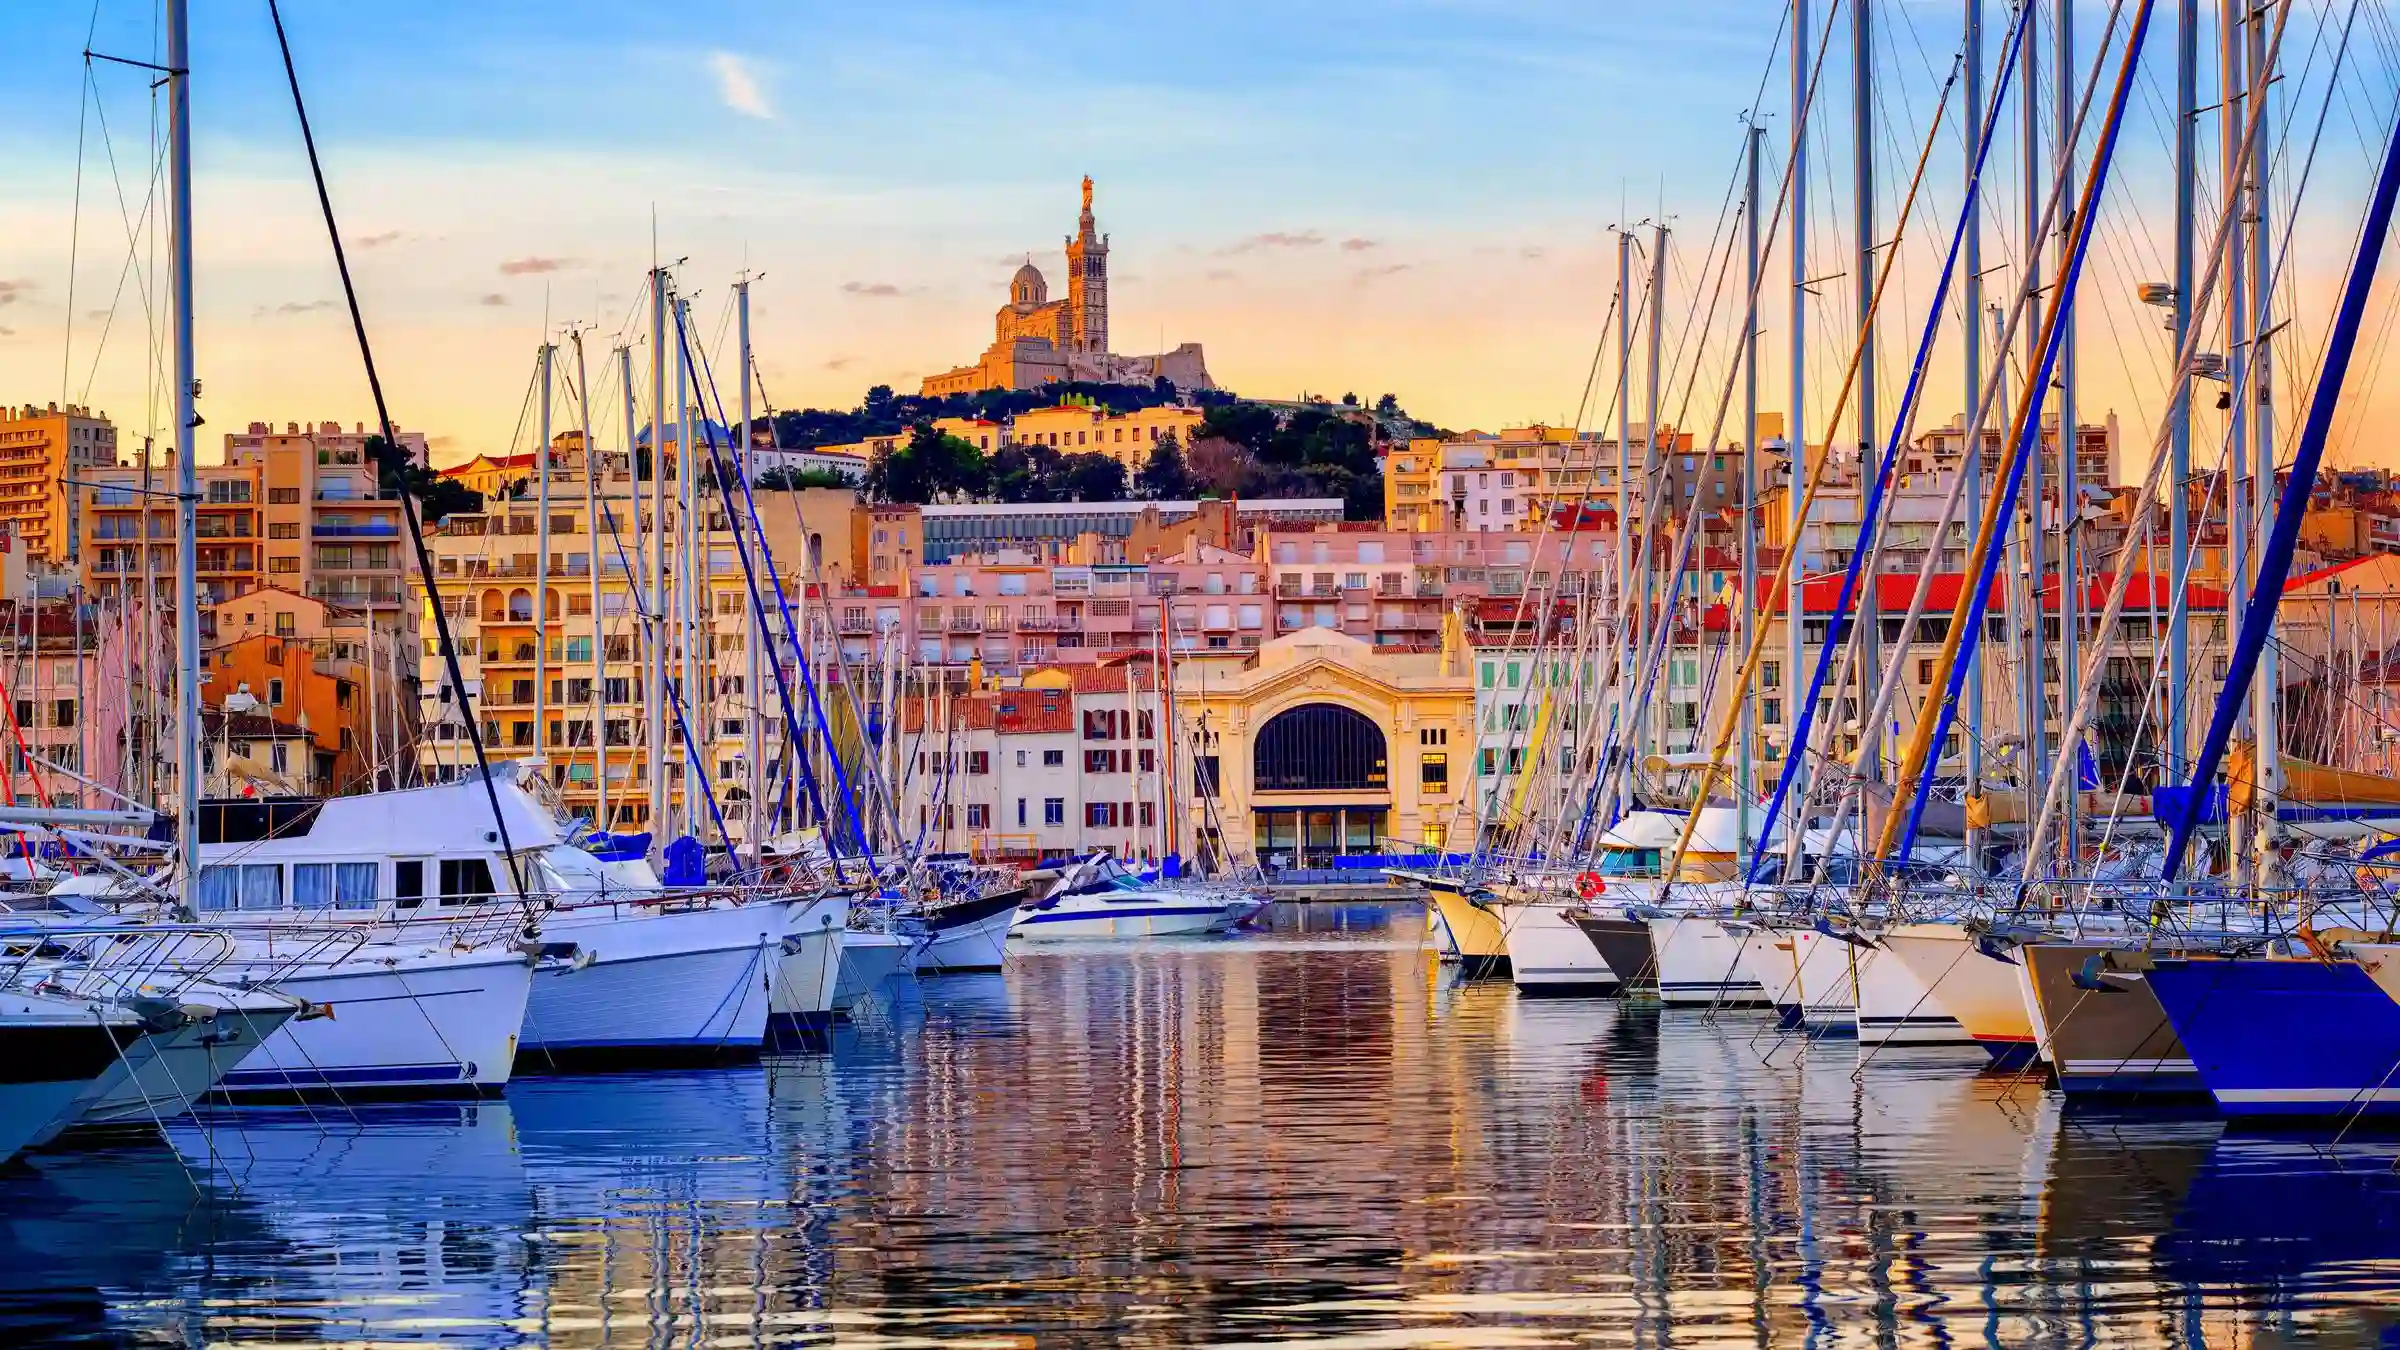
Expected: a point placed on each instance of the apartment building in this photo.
(40, 449)
(348, 684)
(298, 509)
(570, 685)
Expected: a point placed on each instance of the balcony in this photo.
(1036, 623)
(379, 531)
(965, 623)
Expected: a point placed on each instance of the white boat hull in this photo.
(808, 968)
(1138, 915)
(976, 941)
(1548, 954)
(413, 1023)
(1700, 962)
(161, 1076)
(1826, 983)
(646, 983)
(1895, 1008)
(868, 959)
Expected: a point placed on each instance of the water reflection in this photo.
(1307, 1136)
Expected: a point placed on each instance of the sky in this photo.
(1332, 196)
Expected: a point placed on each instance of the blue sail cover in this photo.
(618, 847)
(687, 862)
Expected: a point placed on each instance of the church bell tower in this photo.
(1087, 281)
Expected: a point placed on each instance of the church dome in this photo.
(1027, 287)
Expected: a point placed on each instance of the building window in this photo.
(283, 496)
(1433, 736)
(978, 761)
(1319, 747)
(1102, 815)
(1054, 759)
(1054, 810)
(1433, 772)
(979, 816)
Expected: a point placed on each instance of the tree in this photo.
(932, 462)
(1388, 406)
(1090, 477)
(783, 478)
(437, 497)
(1164, 477)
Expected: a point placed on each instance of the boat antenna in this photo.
(408, 502)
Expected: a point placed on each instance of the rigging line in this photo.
(83, 105)
(408, 502)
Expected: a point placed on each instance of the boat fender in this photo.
(1589, 885)
(2088, 976)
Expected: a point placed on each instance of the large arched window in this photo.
(1320, 747)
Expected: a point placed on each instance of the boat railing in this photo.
(111, 960)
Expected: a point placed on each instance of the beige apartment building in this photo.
(297, 509)
(40, 449)
(569, 687)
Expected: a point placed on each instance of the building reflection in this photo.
(1323, 1138)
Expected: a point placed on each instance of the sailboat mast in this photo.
(754, 744)
(541, 560)
(1627, 622)
(1971, 350)
(591, 534)
(2025, 597)
(2231, 107)
(2179, 473)
(187, 476)
(690, 582)
(654, 682)
(1795, 436)
(1748, 543)
(2267, 692)
(2070, 571)
(1656, 616)
(1866, 625)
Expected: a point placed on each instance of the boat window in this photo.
(220, 887)
(262, 886)
(312, 885)
(466, 878)
(408, 882)
(354, 885)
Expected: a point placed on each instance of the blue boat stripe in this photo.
(384, 1073)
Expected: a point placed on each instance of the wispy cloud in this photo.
(294, 307)
(378, 239)
(534, 265)
(1278, 239)
(1219, 274)
(13, 291)
(1357, 245)
(841, 363)
(737, 86)
(874, 290)
(7, 332)
(493, 299)
(1365, 275)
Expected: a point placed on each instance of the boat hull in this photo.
(2285, 1037)
(2114, 1043)
(160, 1076)
(1478, 942)
(650, 986)
(1625, 946)
(1700, 962)
(1103, 918)
(1548, 954)
(966, 937)
(868, 959)
(1977, 991)
(414, 1025)
(808, 967)
(1894, 1007)
(50, 1070)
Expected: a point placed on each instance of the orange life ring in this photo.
(1588, 884)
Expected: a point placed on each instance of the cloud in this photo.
(1219, 274)
(13, 291)
(7, 332)
(294, 307)
(877, 290)
(534, 265)
(841, 363)
(1357, 245)
(737, 86)
(378, 240)
(1365, 275)
(493, 299)
(1278, 239)
(1533, 253)
(441, 440)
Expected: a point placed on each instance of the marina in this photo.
(1307, 1134)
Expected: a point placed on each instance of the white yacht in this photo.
(1099, 897)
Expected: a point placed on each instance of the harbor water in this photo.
(1309, 1136)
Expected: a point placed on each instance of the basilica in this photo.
(1037, 340)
